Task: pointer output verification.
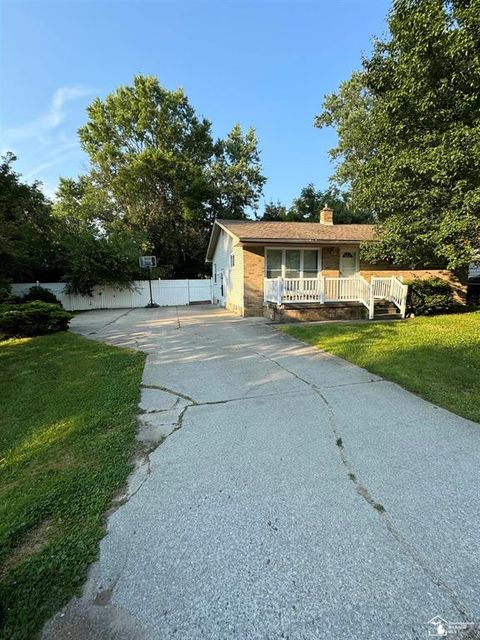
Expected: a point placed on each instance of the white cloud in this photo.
(55, 116)
(48, 144)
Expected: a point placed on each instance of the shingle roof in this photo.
(258, 231)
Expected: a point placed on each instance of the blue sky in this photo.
(267, 64)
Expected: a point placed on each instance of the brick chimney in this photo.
(326, 215)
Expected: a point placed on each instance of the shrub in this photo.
(32, 319)
(5, 290)
(473, 293)
(429, 296)
(40, 293)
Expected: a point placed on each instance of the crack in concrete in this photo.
(257, 397)
(92, 333)
(179, 422)
(171, 391)
(196, 403)
(147, 475)
(178, 425)
(145, 412)
(408, 548)
(179, 326)
(350, 384)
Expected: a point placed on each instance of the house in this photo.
(304, 270)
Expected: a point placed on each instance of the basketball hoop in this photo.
(148, 262)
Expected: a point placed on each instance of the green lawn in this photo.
(67, 433)
(437, 357)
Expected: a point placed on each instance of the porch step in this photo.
(385, 310)
(387, 316)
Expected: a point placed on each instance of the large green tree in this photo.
(28, 238)
(408, 128)
(307, 206)
(237, 174)
(65, 242)
(157, 172)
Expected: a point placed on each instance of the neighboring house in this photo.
(303, 270)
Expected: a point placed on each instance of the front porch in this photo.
(335, 291)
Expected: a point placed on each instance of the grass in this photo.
(67, 434)
(436, 357)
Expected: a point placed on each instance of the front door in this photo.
(348, 262)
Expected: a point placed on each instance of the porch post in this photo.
(321, 289)
(279, 290)
(392, 283)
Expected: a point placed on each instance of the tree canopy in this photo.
(157, 180)
(156, 171)
(28, 239)
(408, 126)
(40, 243)
(307, 206)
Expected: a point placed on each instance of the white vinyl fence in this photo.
(164, 292)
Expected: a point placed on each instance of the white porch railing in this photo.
(324, 290)
(391, 289)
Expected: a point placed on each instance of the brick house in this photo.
(305, 270)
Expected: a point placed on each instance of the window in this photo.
(274, 263)
(292, 263)
(232, 260)
(215, 273)
(310, 263)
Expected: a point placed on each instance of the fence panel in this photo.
(200, 290)
(164, 292)
(172, 292)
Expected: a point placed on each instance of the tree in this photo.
(274, 211)
(408, 126)
(97, 249)
(99, 259)
(307, 207)
(237, 174)
(156, 172)
(67, 242)
(28, 239)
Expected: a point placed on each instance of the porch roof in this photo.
(263, 232)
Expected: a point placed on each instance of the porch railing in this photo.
(325, 289)
(391, 289)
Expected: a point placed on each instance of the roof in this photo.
(263, 232)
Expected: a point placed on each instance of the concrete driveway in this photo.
(294, 496)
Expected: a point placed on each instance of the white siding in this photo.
(232, 276)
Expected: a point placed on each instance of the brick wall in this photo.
(345, 311)
(331, 262)
(253, 270)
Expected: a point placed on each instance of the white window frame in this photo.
(301, 249)
(232, 261)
